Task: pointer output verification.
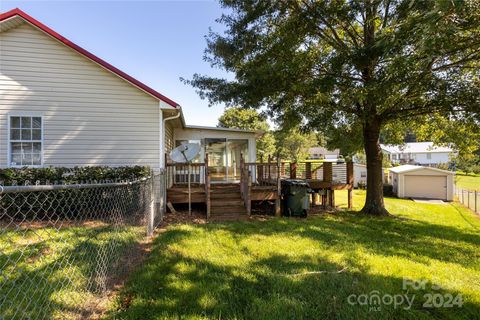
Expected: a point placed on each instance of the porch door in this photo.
(236, 147)
(217, 158)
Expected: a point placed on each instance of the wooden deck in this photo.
(260, 181)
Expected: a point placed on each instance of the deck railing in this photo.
(177, 173)
(266, 176)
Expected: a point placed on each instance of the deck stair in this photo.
(226, 203)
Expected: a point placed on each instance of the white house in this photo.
(360, 174)
(60, 105)
(420, 153)
(411, 181)
(323, 153)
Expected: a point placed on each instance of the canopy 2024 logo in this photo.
(375, 301)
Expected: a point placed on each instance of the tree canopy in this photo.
(294, 145)
(365, 65)
(249, 119)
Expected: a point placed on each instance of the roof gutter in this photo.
(173, 117)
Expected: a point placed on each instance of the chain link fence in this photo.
(470, 199)
(63, 247)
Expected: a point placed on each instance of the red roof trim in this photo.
(103, 63)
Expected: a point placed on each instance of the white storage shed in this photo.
(422, 182)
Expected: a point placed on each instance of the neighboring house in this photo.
(360, 174)
(420, 153)
(323, 153)
(61, 105)
(422, 182)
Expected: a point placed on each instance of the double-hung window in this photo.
(26, 141)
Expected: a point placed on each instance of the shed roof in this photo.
(412, 168)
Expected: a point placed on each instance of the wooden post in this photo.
(350, 183)
(260, 170)
(328, 177)
(269, 168)
(279, 191)
(207, 187)
(293, 170)
(327, 172)
(249, 195)
(308, 170)
(282, 170)
(167, 173)
(242, 167)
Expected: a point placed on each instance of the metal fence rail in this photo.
(63, 246)
(470, 199)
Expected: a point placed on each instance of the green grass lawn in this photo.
(55, 274)
(308, 268)
(467, 182)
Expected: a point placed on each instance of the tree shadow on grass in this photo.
(415, 240)
(172, 285)
(55, 276)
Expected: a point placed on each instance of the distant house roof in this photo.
(411, 168)
(415, 147)
(7, 18)
(322, 150)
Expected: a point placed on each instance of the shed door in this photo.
(430, 187)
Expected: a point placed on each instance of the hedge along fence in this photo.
(63, 247)
(76, 175)
(67, 204)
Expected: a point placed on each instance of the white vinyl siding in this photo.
(169, 142)
(90, 116)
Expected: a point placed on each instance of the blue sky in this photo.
(156, 42)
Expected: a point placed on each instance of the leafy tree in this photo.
(249, 119)
(368, 64)
(294, 145)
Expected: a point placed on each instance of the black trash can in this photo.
(295, 197)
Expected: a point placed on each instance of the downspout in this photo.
(163, 131)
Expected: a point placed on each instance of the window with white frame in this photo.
(25, 141)
(429, 156)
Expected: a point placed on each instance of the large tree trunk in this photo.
(374, 204)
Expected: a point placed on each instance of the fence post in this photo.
(476, 201)
(207, 187)
(293, 170)
(260, 176)
(151, 208)
(279, 190)
(269, 169)
(249, 194)
(308, 170)
(328, 177)
(350, 183)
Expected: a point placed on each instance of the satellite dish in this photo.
(185, 152)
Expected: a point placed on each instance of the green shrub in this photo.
(388, 190)
(362, 185)
(56, 175)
